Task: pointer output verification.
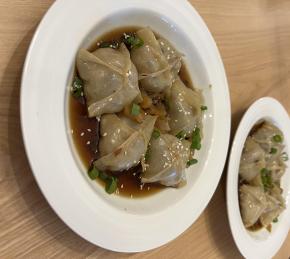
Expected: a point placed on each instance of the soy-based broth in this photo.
(85, 131)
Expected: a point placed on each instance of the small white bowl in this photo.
(111, 221)
(260, 244)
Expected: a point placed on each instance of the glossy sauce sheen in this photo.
(85, 133)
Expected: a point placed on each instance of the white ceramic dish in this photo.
(113, 222)
(260, 244)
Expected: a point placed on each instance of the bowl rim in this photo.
(80, 222)
(268, 109)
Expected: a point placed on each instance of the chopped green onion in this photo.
(111, 185)
(181, 135)
(77, 87)
(111, 181)
(191, 162)
(284, 156)
(273, 150)
(196, 139)
(135, 111)
(266, 178)
(203, 108)
(93, 173)
(133, 41)
(147, 155)
(112, 44)
(275, 220)
(156, 133)
(277, 138)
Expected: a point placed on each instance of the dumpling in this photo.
(111, 79)
(264, 136)
(184, 108)
(152, 65)
(122, 146)
(172, 55)
(272, 211)
(253, 203)
(166, 161)
(252, 160)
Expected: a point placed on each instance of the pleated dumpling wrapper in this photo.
(110, 79)
(184, 108)
(156, 72)
(252, 160)
(253, 203)
(166, 161)
(121, 145)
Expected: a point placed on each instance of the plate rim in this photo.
(188, 7)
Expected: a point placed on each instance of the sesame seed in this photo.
(82, 134)
(89, 130)
(105, 134)
(89, 142)
(148, 188)
(122, 186)
(72, 131)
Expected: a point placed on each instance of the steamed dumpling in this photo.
(272, 211)
(253, 203)
(122, 146)
(152, 65)
(184, 108)
(264, 136)
(166, 160)
(111, 79)
(252, 160)
(172, 56)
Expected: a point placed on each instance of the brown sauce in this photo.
(85, 132)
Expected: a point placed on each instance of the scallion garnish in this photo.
(277, 138)
(112, 44)
(93, 173)
(266, 178)
(77, 87)
(275, 220)
(133, 41)
(111, 181)
(156, 133)
(191, 162)
(196, 139)
(111, 185)
(203, 108)
(273, 150)
(147, 155)
(135, 111)
(181, 135)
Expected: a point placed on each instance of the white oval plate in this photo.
(111, 221)
(260, 244)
